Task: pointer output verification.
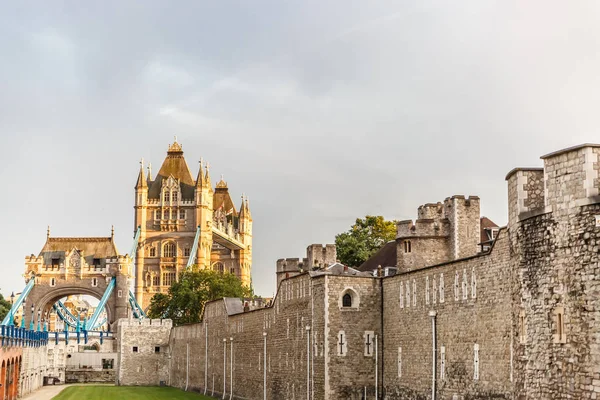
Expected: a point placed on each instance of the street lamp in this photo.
(12, 298)
(31, 325)
(38, 319)
(23, 314)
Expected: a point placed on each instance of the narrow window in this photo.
(347, 300)
(219, 267)
(55, 263)
(167, 196)
(186, 252)
(157, 215)
(155, 280)
(560, 335)
(152, 251)
(441, 288)
(414, 292)
(232, 271)
(174, 196)
(166, 213)
(407, 246)
(135, 349)
(399, 362)
(522, 329)
(456, 286)
(465, 290)
(94, 282)
(369, 343)
(96, 263)
(442, 362)
(407, 294)
(169, 250)
(434, 291)
(157, 349)
(181, 214)
(473, 284)
(342, 346)
(53, 282)
(119, 293)
(288, 329)
(401, 295)
(427, 290)
(476, 361)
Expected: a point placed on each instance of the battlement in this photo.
(423, 227)
(569, 178)
(289, 264)
(431, 211)
(123, 322)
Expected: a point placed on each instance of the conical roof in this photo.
(174, 165)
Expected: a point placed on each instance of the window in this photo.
(169, 250)
(414, 292)
(369, 343)
(560, 336)
(167, 196)
(181, 214)
(441, 288)
(434, 291)
(399, 362)
(218, 266)
(442, 362)
(407, 246)
(407, 294)
(342, 346)
(53, 282)
(465, 290)
(168, 278)
(55, 263)
(155, 280)
(232, 272)
(174, 196)
(456, 286)
(166, 213)
(476, 361)
(427, 290)
(347, 300)
(94, 282)
(108, 363)
(96, 263)
(186, 251)
(157, 215)
(522, 329)
(119, 293)
(401, 295)
(152, 251)
(135, 349)
(157, 349)
(473, 284)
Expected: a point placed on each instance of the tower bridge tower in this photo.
(169, 208)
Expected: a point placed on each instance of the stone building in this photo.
(517, 321)
(169, 209)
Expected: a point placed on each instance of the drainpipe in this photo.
(224, 367)
(381, 275)
(265, 366)
(433, 314)
(307, 362)
(376, 370)
(206, 360)
(231, 368)
(187, 367)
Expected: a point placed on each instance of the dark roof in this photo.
(92, 247)
(385, 256)
(486, 225)
(176, 166)
(222, 197)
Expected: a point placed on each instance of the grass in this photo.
(126, 392)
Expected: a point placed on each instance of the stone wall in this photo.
(143, 347)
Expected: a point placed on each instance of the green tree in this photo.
(4, 307)
(364, 238)
(186, 298)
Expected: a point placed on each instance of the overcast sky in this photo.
(320, 111)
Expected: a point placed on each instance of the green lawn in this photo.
(126, 392)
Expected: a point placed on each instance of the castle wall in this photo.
(478, 312)
(143, 352)
(424, 251)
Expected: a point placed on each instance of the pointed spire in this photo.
(112, 232)
(243, 207)
(207, 176)
(141, 180)
(48, 232)
(149, 172)
(248, 208)
(200, 180)
(222, 184)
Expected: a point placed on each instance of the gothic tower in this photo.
(169, 209)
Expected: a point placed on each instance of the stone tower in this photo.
(169, 208)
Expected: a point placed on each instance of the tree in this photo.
(363, 239)
(185, 301)
(4, 307)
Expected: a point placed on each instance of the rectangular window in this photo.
(522, 329)
(401, 295)
(442, 362)
(560, 335)
(407, 246)
(94, 282)
(155, 280)
(181, 214)
(152, 251)
(476, 361)
(157, 215)
(473, 284)
(465, 289)
(427, 290)
(174, 196)
(456, 286)
(232, 271)
(434, 291)
(119, 293)
(441, 288)
(407, 294)
(399, 362)
(166, 213)
(135, 349)
(168, 278)
(53, 282)
(157, 349)
(186, 252)
(414, 293)
(96, 263)
(56, 263)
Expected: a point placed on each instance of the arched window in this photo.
(218, 266)
(169, 250)
(347, 300)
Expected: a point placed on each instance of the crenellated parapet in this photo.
(423, 227)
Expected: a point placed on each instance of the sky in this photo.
(321, 112)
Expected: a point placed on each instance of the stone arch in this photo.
(219, 267)
(47, 300)
(169, 249)
(349, 295)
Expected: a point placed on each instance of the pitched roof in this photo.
(174, 165)
(486, 225)
(385, 256)
(92, 247)
(222, 197)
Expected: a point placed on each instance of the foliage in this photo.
(186, 298)
(364, 238)
(4, 307)
(126, 392)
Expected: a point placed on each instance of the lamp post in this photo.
(39, 317)
(23, 314)
(31, 324)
